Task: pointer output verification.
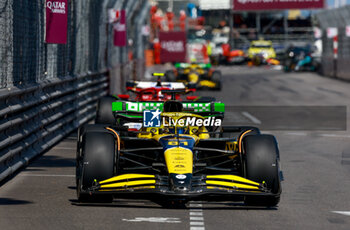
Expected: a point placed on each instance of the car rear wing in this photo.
(135, 109)
(150, 84)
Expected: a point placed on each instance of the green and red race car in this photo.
(149, 91)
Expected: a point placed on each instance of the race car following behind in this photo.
(300, 58)
(199, 74)
(181, 153)
(148, 91)
(261, 52)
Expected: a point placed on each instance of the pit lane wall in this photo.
(49, 90)
(335, 66)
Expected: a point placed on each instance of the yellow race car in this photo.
(182, 152)
(200, 75)
(261, 51)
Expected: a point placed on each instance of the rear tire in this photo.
(170, 76)
(95, 160)
(206, 99)
(261, 164)
(104, 113)
(216, 77)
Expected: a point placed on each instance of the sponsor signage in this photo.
(214, 5)
(332, 32)
(113, 15)
(56, 21)
(347, 31)
(317, 32)
(252, 5)
(120, 30)
(173, 46)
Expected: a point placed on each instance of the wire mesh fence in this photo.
(25, 58)
(6, 48)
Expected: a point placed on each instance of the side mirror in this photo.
(124, 96)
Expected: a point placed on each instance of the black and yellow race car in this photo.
(184, 155)
(203, 76)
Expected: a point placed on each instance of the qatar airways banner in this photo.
(56, 21)
(173, 46)
(120, 30)
(252, 5)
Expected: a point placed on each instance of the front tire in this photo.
(104, 114)
(95, 161)
(261, 165)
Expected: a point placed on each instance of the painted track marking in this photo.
(251, 118)
(64, 148)
(346, 213)
(196, 216)
(296, 134)
(196, 213)
(334, 135)
(317, 135)
(170, 220)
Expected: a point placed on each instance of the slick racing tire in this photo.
(261, 165)
(104, 113)
(287, 66)
(95, 161)
(170, 76)
(206, 99)
(216, 77)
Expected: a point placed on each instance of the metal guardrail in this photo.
(36, 118)
(335, 66)
(47, 90)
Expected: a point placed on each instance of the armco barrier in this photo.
(338, 66)
(36, 118)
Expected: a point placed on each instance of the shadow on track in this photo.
(53, 161)
(9, 201)
(169, 205)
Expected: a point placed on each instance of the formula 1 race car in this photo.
(157, 91)
(201, 75)
(261, 52)
(181, 153)
(300, 58)
(148, 91)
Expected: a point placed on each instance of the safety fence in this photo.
(49, 90)
(35, 119)
(335, 41)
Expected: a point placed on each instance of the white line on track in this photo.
(296, 134)
(251, 118)
(200, 213)
(317, 135)
(64, 148)
(196, 223)
(45, 175)
(196, 216)
(346, 213)
(155, 220)
(334, 135)
(193, 205)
